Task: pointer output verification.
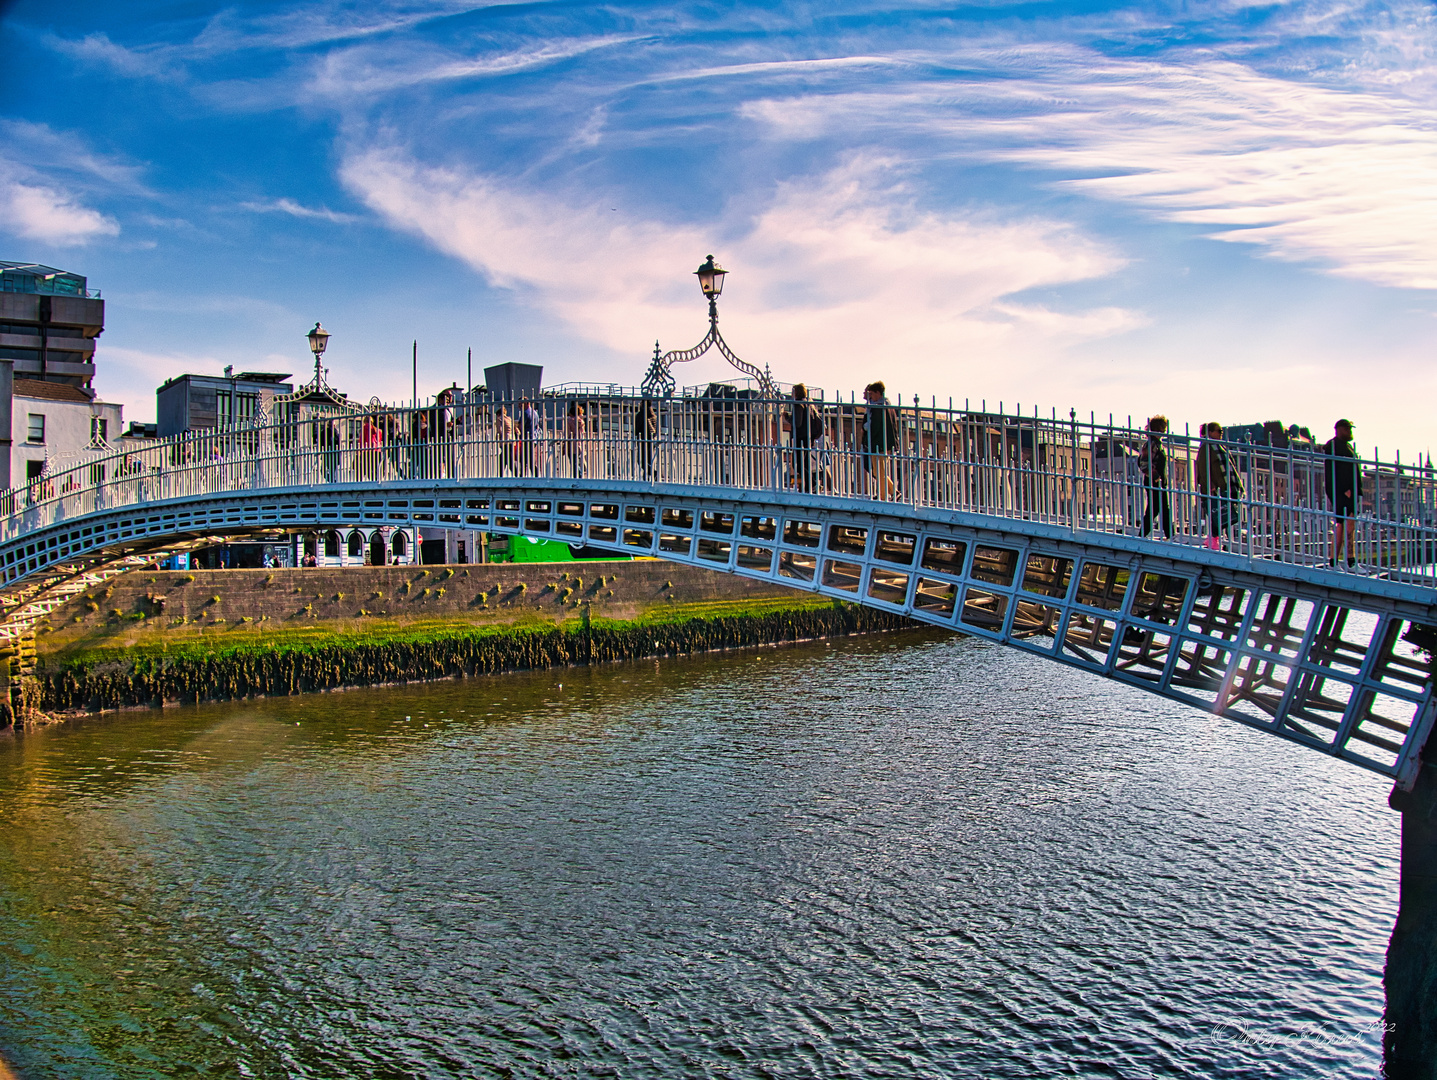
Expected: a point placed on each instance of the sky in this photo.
(1217, 211)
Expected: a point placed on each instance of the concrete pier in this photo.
(1410, 1035)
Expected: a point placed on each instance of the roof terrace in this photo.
(45, 280)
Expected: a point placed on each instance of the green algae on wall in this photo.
(101, 681)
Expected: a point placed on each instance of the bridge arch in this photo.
(1296, 658)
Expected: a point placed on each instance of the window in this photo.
(236, 410)
(34, 470)
(99, 431)
(36, 431)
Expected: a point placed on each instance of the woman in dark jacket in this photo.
(1219, 482)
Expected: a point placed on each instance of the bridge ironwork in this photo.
(1020, 529)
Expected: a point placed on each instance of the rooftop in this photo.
(264, 376)
(46, 280)
(51, 391)
(273, 378)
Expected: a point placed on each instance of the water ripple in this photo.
(908, 856)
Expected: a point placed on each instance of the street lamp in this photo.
(318, 339)
(660, 380)
(710, 276)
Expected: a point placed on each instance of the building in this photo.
(511, 381)
(53, 425)
(49, 321)
(206, 402)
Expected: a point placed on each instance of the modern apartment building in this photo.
(50, 417)
(208, 402)
(49, 321)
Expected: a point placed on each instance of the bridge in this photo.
(1019, 529)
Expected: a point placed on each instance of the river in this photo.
(899, 855)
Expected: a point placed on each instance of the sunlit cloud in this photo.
(1339, 178)
(36, 211)
(841, 273)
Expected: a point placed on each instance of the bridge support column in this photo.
(1410, 1035)
(19, 689)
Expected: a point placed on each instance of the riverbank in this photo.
(152, 639)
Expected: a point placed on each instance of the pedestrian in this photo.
(880, 438)
(371, 447)
(1219, 482)
(530, 433)
(805, 428)
(504, 437)
(1342, 479)
(1153, 464)
(421, 435)
(441, 431)
(575, 441)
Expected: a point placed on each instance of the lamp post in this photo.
(318, 339)
(659, 379)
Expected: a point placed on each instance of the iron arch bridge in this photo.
(1020, 530)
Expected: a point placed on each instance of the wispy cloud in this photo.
(776, 68)
(41, 147)
(345, 73)
(845, 272)
(294, 209)
(1308, 173)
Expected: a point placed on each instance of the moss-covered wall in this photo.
(150, 637)
(165, 609)
(244, 670)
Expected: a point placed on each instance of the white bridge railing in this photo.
(1085, 476)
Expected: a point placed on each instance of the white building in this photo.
(55, 422)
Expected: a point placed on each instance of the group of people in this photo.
(877, 437)
(1220, 484)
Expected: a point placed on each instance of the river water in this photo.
(907, 855)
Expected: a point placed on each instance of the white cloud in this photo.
(841, 276)
(39, 212)
(1308, 173)
(294, 209)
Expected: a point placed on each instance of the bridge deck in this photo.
(1015, 529)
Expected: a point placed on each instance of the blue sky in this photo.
(1212, 210)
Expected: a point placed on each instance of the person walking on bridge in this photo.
(576, 440)
(1153, 464)
(1219, 482)
(530, 435)
(880, 438)
(805, 429)
(371, 447)
(1342, 479)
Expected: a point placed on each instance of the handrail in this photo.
(1082, 476)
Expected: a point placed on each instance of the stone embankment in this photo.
(157, 637)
